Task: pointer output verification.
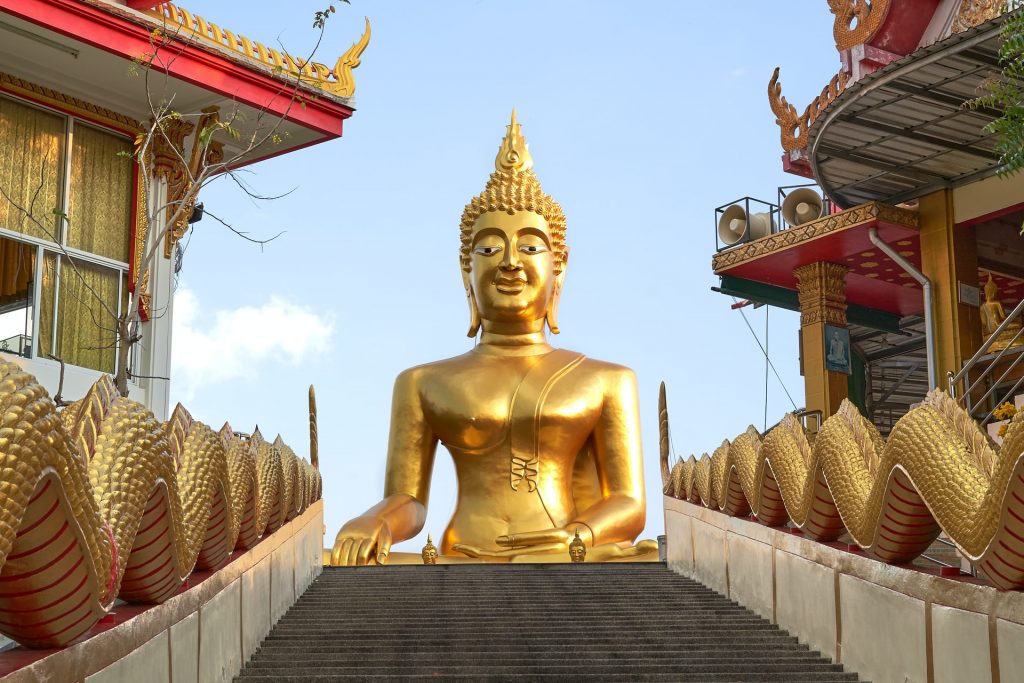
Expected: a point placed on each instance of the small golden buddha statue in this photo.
(577, 549)
(543, 440)
(429, 552)
(992, 316)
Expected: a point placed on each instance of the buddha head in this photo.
(577, 549)
(429, 552)
(991, 289)
(513, 252)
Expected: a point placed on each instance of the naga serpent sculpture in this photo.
(100, 501)
(937, 472)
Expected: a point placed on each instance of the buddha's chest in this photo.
(478, 408)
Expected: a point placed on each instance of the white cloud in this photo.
(240, 340)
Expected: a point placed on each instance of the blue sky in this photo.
(641, 118)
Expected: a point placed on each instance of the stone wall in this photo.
(205, 633)
(887, 623)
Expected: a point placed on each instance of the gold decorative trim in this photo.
(974, 12)
(72, 105)
(821, 288)
(807, 232)
(338, 81)
(856, 20)
(793, 128)
(141, 228)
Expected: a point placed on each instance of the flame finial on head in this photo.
(514, 153)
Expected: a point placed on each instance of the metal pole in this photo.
(929, 317)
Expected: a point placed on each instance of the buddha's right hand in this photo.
(361, 541)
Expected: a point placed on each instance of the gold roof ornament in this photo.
(338, 81)
(577, 549)
(429, 552)
(856, 20)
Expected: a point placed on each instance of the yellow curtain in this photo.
(31, 163)
(46, 305)
(85, 329)
(17, 263)
(99, 215)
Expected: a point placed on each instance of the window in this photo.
(65, 224)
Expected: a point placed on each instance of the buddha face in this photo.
(511, 266)
(577, 553)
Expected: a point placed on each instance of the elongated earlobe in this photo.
(551, 315)
(474, 314)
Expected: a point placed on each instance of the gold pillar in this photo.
(821, 288)
(949, 255)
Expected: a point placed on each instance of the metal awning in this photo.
(904, 131)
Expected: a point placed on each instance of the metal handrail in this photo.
(962, 376)
(1015, 313)
(816, 414)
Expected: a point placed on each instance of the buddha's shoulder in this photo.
(434, 369)
(608, 371)
(447, 369)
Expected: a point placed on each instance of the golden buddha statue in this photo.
(545, 441)
(429, 552)
(992, 316)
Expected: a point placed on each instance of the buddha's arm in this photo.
(411, 447)
(400, 515)
(620, 514)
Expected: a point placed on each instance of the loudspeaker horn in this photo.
(761, 224)
(732, 225)
(802, 205)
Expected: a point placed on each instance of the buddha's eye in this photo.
(533, 248)
(487, 251)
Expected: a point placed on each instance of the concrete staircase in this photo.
(635, 622)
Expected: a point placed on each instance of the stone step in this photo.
(502, 659)
(638, 677)
(526, 623)
(581, 648)
(600, 667)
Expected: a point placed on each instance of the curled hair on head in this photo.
(511, 192)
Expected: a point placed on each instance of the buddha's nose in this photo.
(511, 260)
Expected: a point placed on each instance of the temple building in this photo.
(904, 257)
(883, 523)
(115, 503)
(84, 220)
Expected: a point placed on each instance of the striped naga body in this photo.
(937, 472)
(100, 501)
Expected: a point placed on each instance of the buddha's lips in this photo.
(510, 286)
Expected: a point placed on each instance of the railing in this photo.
(19, 344)
(747, 218)
(960, 384)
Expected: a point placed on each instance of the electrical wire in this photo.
(767, 359)
(765, 428)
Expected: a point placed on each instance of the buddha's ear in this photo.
(474, 314)
(556, 293)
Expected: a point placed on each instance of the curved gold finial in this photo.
(856, 21)
(794, 127)
(429, 552)
(514, 153)
(314, 449)
(577, 548)
(345, 82)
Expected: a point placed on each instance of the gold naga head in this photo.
(503, 229)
